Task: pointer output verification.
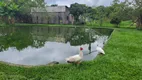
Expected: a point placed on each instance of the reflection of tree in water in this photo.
(52, 34)
(22, 37)
(19, 40)
(38, 43)
(81, 36)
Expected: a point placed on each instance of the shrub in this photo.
(115, 21)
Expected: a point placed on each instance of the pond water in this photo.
(42, 45)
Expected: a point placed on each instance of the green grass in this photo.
(47, 25)
(122, 61)
(123, 24)
(106, 24)
(96, 24)
(127, 24)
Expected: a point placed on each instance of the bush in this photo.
(115, 21)
(79, 23)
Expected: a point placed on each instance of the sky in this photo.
(87, 2)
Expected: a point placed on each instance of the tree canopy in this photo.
(126, 10)
(138, 12)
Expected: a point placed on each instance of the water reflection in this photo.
(41, 45)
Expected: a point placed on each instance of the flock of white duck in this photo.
(78, 58)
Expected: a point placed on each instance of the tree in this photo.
(8, 11)
(25, 9)
(138, 12)
(91, 12)
(100, 13)
(115, 21)
(117, 9)
(135, 12)
(19, 9)
(116, 1)
(77, 9)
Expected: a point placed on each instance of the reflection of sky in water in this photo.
(52, 51)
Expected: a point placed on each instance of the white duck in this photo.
(76, 58)
(100, 50)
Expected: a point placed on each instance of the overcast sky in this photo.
(87, 2)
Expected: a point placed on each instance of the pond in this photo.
(42, 45)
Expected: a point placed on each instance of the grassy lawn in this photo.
(47, 25)
(106, 24)
(122, 61)
(124, 24)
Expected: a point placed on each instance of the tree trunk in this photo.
(139, 22)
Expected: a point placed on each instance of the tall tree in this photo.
(100, 13)
(77, 10)
(24, 8)
(8, 11)
(138, 12)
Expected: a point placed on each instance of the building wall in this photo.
(52, 17)
(39, 17)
